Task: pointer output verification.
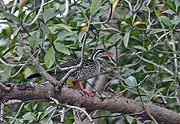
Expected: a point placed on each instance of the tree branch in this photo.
(112, 101)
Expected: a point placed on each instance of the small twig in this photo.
(78, 108)
(140, 5)
(130, 6)
(36, 9)
(85, 16)
(10, 64)
(152, 117)
(14, 6)
(140, 97)
(18, 112)
(106, 21)
(66, 76)
(11, 102)
(110, 116)
(4, 87)
(85, 36)
(36, 17)
(1, 112)
(159, 66)
(165, 34)
(25, 29)
(23, 66)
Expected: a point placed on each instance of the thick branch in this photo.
(112, 102)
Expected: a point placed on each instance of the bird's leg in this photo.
(75, 86)
(85, 90)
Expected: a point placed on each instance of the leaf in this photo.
(140, 23)
(165, 20)
(49, 58)
(114, 5)
(126, 38)
(140, 48)
(45, 29)
(47, 111)
(52, 37)
(66, 27)
(131, 81)
(176, 20)
(112, 30)
(29, 116)
(11, 17)
(48, 14)
(22, 4)
(171, 5)
(95, 5)
(61, 48)
(83, 28)
(130, 119)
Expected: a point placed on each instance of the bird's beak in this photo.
(109, 53)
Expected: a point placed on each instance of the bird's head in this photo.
(100, 52)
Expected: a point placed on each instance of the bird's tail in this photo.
(34, 76)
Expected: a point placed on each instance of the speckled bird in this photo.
(89, 68)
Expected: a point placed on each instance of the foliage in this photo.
(143, 34)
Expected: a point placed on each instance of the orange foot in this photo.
(84, 90)
(88, 92)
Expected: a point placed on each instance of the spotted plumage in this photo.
(89, 68)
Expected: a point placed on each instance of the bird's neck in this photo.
(94, 56)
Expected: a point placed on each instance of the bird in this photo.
(90, 68)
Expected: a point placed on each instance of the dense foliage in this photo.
(144, 36)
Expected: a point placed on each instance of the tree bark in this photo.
(113, 102)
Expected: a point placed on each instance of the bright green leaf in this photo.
(171, 5)
(165, 20)
(62, 48)
(126, 38)
(49, 58)
(131, 81)
(95, 6)
(52, 37)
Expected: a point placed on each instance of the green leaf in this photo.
(130, 119)
(171, 5)
(95, 6)
(55, 26)
(52, 37)
(47, 111)
(176, 20)
(112, 30)
(61, 48)
(48, 14)
(11, 17)
(126, 38)
(131, 81)
(49, 58)
(140, 48)
(29, 116)
(45, 29)
(165, 20)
